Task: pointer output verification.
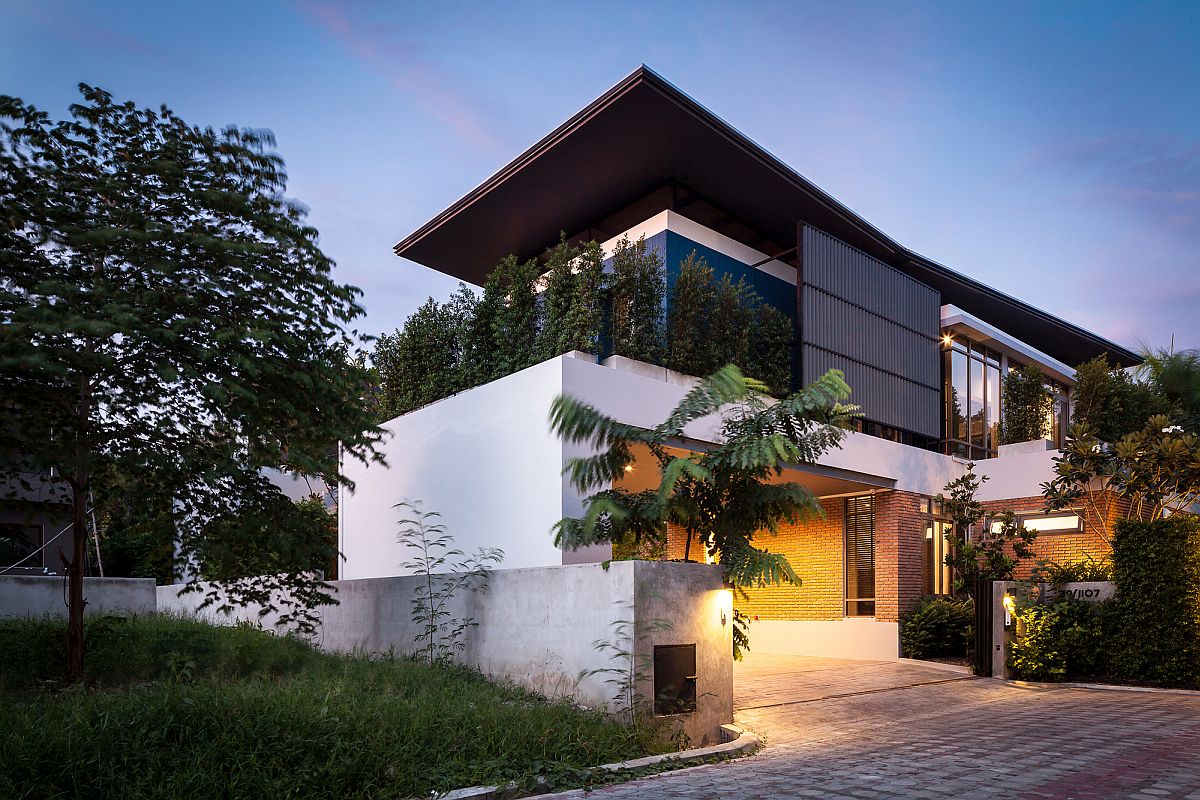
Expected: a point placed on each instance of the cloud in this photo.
(402, 64)
(1156, 178)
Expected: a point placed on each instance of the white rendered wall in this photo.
(485, 459)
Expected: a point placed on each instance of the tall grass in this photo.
(179, 709)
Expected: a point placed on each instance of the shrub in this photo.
(1156, 566)
(938, 627)
(1111, 402)
(1060, 641)
(1089, 569)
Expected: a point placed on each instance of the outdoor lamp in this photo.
(1010, 606)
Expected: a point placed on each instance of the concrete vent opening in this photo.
(674, 679)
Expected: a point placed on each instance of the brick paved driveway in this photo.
(846, 729)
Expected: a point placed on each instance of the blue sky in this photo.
(1051, 150)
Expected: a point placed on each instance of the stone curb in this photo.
(744, 743)
(1103, 687)
(959, 668)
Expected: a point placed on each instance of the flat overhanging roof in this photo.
(644, 134)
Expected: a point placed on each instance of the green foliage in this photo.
(770, 356)
(1156, 566)
(1156, 470)
(1110, 402)
(713, 322)
(1087, 569)
(447, 571)
(167, 308)
(1176, 375)
(937, 627)
(638, 290)
(1027, 406)
(517, 318)
(688, 340)
(199, 711)
(424, 361)
(1068, 639)
(720, 497)
(741, 634)
(573, 302)
(983, 545)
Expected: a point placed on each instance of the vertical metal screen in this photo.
(860, 556)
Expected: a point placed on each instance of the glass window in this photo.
(993, 407)
(978, 419)
(1047, 523)
(935, 572)
(958, 396)
(860, 556)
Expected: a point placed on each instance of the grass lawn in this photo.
(174, 708)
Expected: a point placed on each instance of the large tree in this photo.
(725, 498)
(166, 308)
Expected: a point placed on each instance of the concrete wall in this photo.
(539, 627)
(36, 596)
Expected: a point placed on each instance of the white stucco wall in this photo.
(484, 459)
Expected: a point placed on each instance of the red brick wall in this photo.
(1094, 540)
(899, 549)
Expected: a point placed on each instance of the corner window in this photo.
(971, 385)
(860, 556)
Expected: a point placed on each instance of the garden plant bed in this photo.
(176, 708)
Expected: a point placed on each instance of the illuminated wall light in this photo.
(1010, 607)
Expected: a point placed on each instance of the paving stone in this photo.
(864, 730)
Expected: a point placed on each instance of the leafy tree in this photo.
(166, 307)
(984, 545)
(512, 308)
(638, 291)
(688, 343)
(1155, 471)
(1027, 406)
(722, 497)
(1176, 374)
(770, 356)
(572, 303)
(422, 362)
(1109, 401)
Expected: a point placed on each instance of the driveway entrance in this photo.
(855, 729)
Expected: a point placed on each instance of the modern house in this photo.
(924, 348)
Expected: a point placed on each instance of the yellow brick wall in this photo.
(814, 549)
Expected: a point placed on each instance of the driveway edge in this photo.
(743, 743)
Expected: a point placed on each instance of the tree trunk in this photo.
(75, 601)
(80, 485)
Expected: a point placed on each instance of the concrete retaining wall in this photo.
(38, 596)
(540, 627)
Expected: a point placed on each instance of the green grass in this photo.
(174, 708)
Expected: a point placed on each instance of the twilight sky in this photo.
(1050, 150)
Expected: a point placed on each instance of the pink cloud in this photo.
(401, 63)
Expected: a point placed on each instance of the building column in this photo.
(899, 550)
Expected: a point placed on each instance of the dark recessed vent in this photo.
(674, 679)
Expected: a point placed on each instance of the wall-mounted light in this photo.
(629, 467)
(1010, 607)
(947, 339)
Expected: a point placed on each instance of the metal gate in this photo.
(981, 658)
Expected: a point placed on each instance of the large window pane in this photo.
(860, 556)
(978, 419)
(993, 407)
(958, 396)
